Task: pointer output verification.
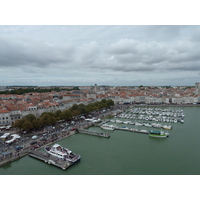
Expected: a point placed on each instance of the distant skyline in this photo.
(84, 55)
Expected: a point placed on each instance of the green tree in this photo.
(30, 117)
(57, 113)
(18, 123)
(27, 125)
(36, 123)
(67, 114)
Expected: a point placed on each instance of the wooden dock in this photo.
(49, 159)
(93, 133)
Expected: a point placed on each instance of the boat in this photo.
(127, 122)
(143, 131)
(125, 128)
(158, 134)
(168, 127)
(118, 121)
(108, 127)
(63, 153)
(147, 125)
(156, 125)
(138, 124)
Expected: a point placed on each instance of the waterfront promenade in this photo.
(25, 151)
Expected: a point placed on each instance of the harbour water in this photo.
(126, 153)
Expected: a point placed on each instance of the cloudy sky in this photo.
(102, 54)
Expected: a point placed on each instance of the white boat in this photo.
(143, 131)
(168, 127)
(147, 125)
(108, 127)
(138, 124)
(156, 125)
(118, 121)
(125, 128)
(63, 153)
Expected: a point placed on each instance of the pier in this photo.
(102, 123)
(93, 133)
(132, 130)
(47, 158)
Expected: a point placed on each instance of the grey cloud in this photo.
(32, 53)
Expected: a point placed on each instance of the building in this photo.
(197, 88)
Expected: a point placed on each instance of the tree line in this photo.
(39, 90)
(30, 122)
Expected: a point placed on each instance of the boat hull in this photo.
(158, 136)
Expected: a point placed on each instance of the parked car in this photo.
(35, 137)
(34, 142)
(18, 147)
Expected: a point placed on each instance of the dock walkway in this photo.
(93, 133)
(47, 158)
(132, 130)
(103, 122)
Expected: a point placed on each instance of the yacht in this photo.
(168, 127)
(63, 153)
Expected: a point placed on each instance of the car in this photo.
(42, 138)
(35, 137)
(18, 147)
(34, 142)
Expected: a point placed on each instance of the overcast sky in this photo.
(97, 54)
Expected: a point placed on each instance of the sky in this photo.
(84, 55)
(124, 55)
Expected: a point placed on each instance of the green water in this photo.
(126, 153)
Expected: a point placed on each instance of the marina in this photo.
(125, 152)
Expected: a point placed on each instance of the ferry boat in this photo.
(63, 153)
(108, 127)
(158, 134)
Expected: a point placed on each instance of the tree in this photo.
(27, 125)
(57, 113)
(67, 114)
(36, 123)
(47, 120)
(30, 117)
(19, 123)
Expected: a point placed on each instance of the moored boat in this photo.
(63, 153)
(158, 134)
(168, 127)
(108, 127)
